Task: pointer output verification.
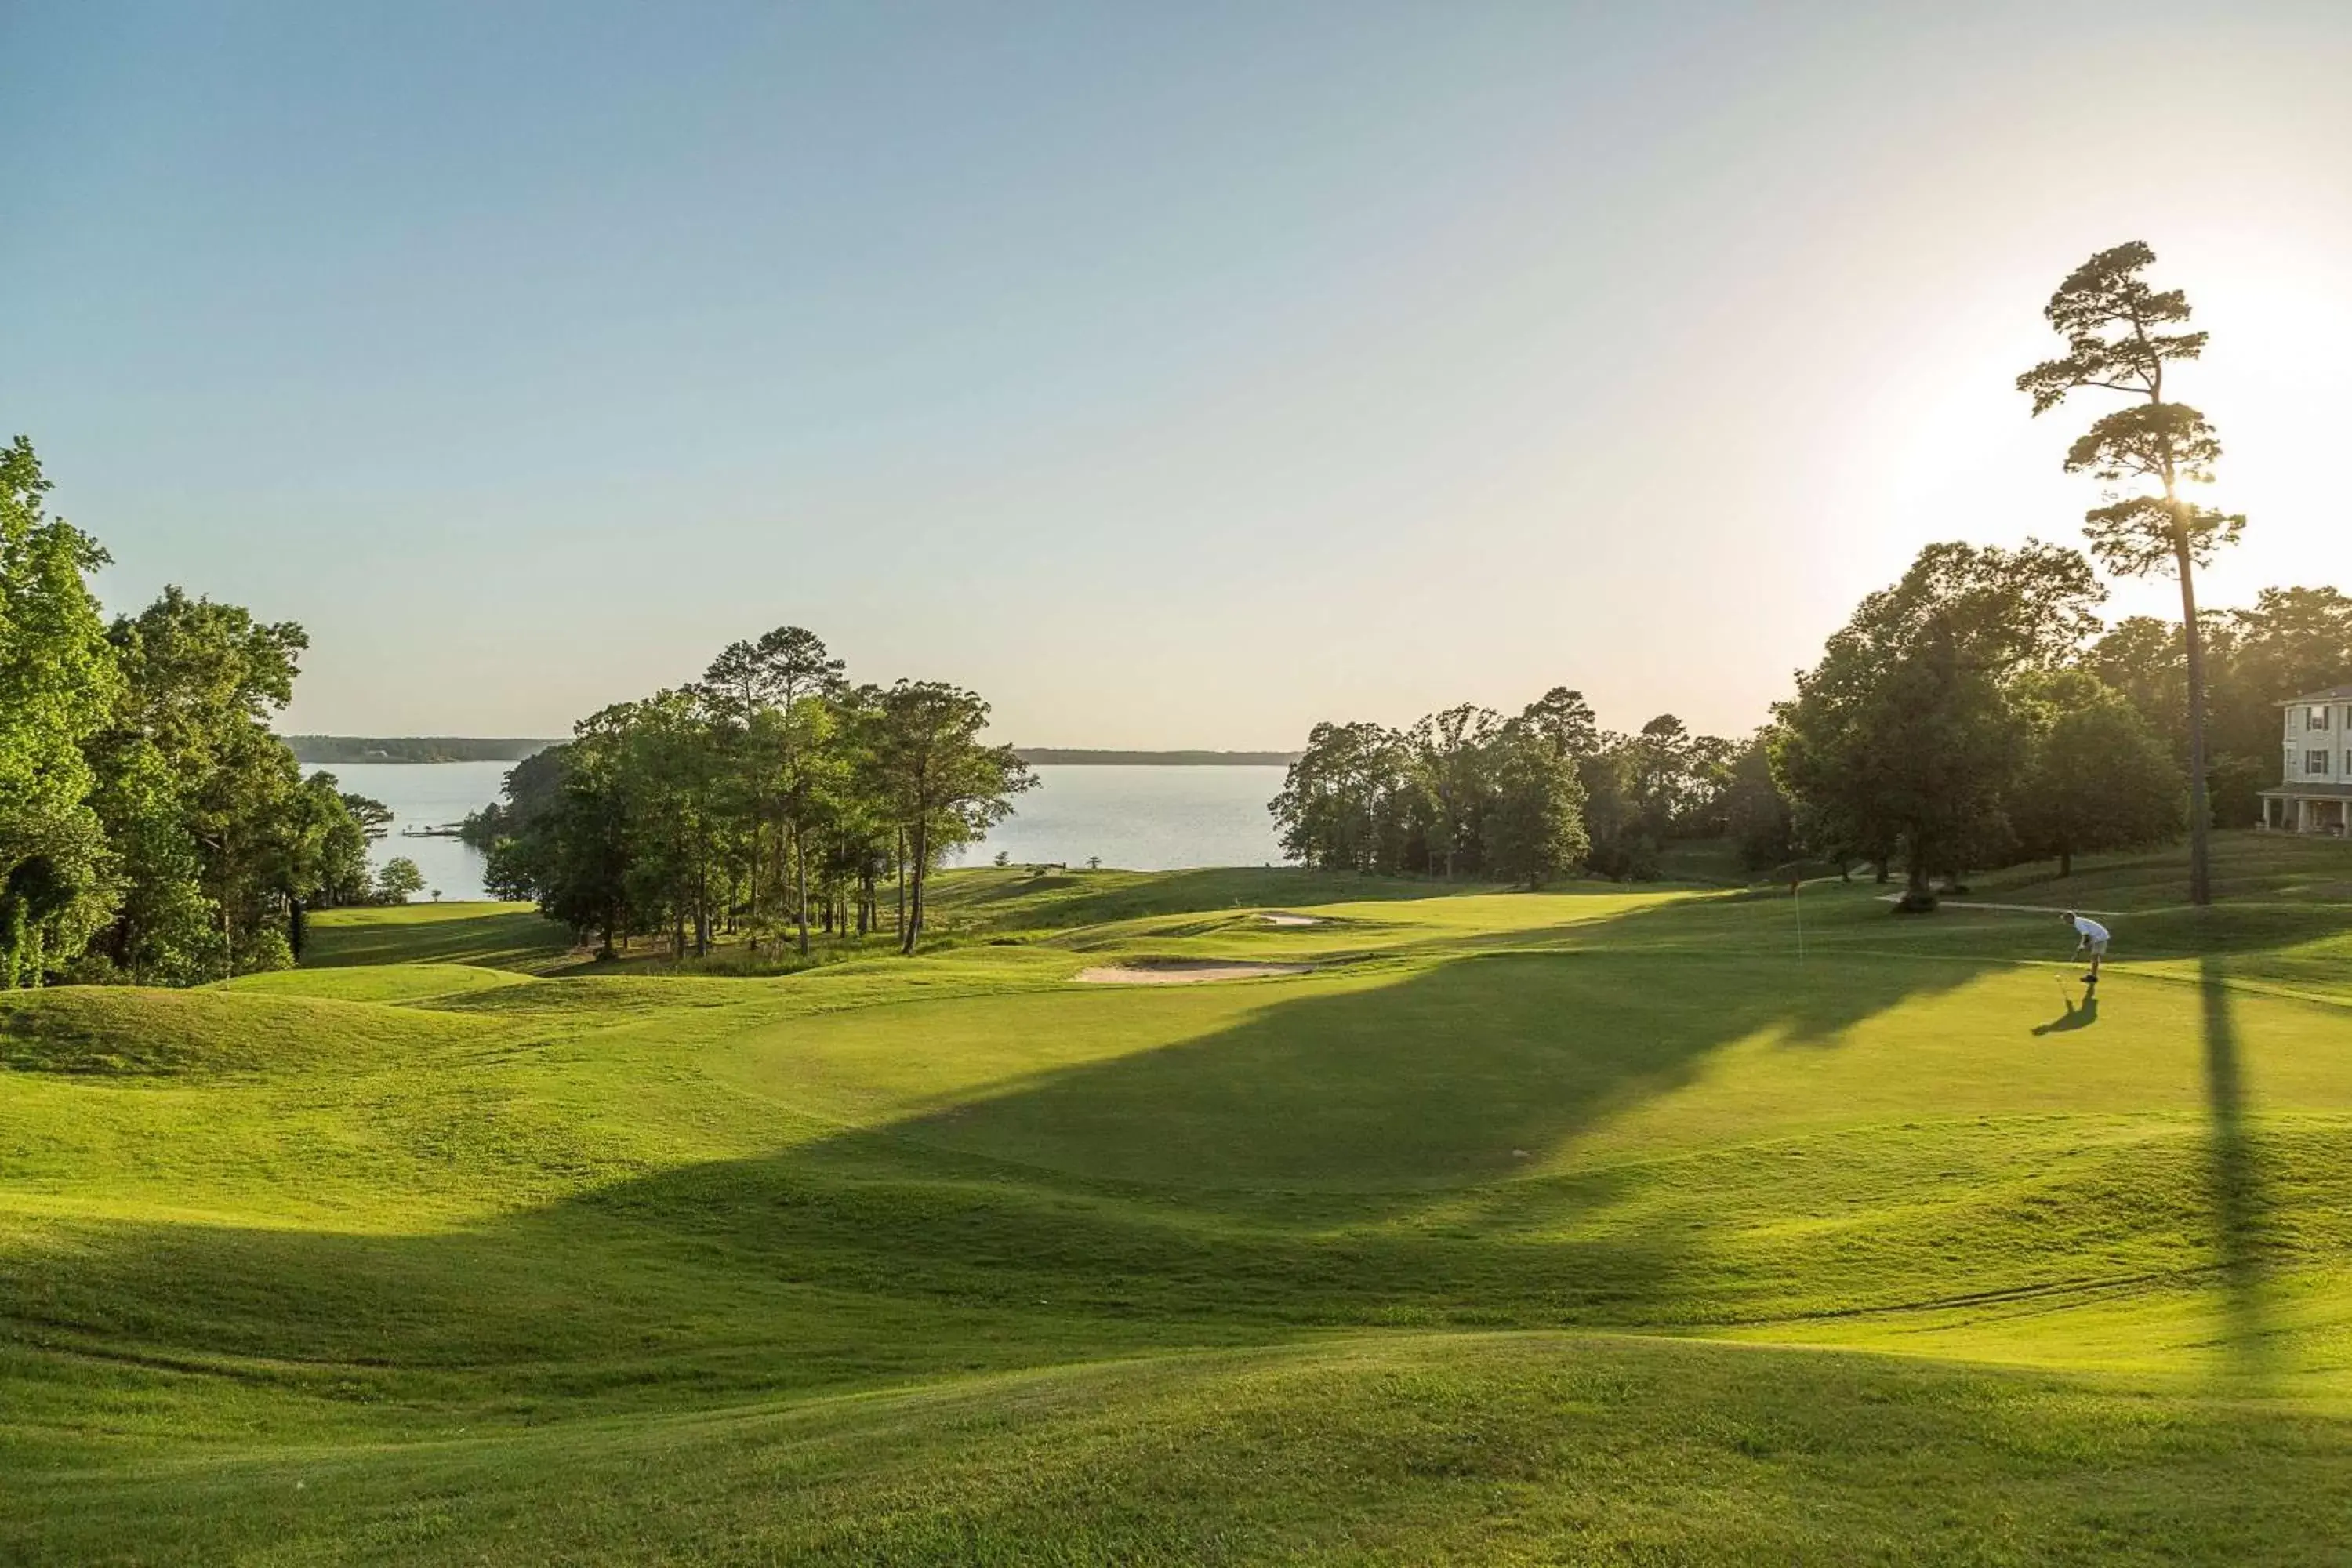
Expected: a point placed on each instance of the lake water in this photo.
(427, 795)
(1140, 818)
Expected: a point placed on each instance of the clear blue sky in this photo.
(1174, 374)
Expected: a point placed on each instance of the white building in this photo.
(2315, 791)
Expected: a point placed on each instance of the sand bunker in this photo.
(1288, 920)
(1184, 971)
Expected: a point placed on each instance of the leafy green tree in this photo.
(1449, 768)
(2098, 777)
(58, 685)
(1909, 733)
(1622, 846)
(199, 681)
(1533, 831)
(2117, 339)
(577, 853)
(163, 930)
(2142, 658)
(1756, 816)
(804, 674)
(1341, 803)
(934, 777)
(1565, 721)
(398, 880)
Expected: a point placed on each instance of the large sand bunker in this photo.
(1184, 971)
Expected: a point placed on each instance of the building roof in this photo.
(2315, 791)
(2313, 698)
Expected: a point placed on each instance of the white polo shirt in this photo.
(2090, 930)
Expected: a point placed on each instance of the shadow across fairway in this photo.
(498, 936)
(1453, 1074)
(2241, 1205)
(1342, 1155)
(985, 901)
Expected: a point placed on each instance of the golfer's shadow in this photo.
(2075, 1017)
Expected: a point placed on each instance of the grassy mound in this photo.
(1599, 1224)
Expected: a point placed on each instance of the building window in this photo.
(2314, 717)
(2314, 764)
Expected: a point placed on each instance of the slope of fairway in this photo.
(455, 1246)
(1406, 1451)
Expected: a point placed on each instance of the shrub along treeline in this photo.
(1527, 799)
(152, 828)
(770, 795)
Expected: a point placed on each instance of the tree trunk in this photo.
(799, 880)
(2201, 874)
(702, 913)
(2065, 862)
(913, 921)
(1915, 870)
(898, 866)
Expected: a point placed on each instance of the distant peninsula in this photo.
(312, 749)
(330, 748)
(1079, 756)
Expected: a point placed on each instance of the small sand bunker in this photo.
(1278, 918)
(1184, 971)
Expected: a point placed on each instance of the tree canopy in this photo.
(769, 796)
(150, 825)
(1527, 799)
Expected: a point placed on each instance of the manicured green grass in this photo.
(1602, 1225)
(512, 936)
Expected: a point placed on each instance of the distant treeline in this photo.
(338, 749)
(1527, 799)
(311, 750)
(1068, 756)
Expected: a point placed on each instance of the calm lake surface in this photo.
(1140, 818)
(427, 795)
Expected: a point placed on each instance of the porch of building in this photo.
(2308, 808)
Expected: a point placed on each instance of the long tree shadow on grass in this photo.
(1300, 1168)
(1405, 1082)
(2241, 1204)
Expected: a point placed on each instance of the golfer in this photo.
(2091, 936)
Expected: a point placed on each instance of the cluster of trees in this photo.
(152, 828)
(1973, 714)
(769, 796)
(1527, 799)
(2288, 642)
(1976, 712)
(1952, 723)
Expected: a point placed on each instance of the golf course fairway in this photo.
(1591, 1225)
